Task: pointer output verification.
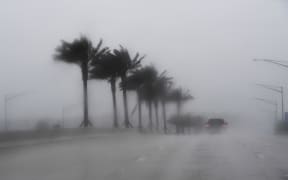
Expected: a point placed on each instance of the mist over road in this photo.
(131, 156)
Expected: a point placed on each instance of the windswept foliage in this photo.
(163, 85)
(138, 81)
(80, 52)
(101, 63)
(75, 52)
(179, 96)
(107, 68)
(126, 64)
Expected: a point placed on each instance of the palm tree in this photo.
(107, 68)
(163, 85)
(137, 81)
(126, 64)
(153, 90)
(179, 96)
(80, 52)
(148, 93)
(156, 110)
(148, 96)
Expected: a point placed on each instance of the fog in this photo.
(206, 46)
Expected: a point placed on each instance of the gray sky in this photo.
(207, 45)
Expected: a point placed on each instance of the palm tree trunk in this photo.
(164, 115)
(156, 114)
(86, 120)
(126, 115)
(84, 69)
(115, 112)
(139, 110)
(179, 105)
(150, 115)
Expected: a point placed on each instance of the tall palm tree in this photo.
(148, 92)
(137, 81)
(80, 52)
(156, 99)
(179, 96)
(107, 68)
(156, 110)
(153, 90)
(126, 64)
(163, 85)
(148, 96)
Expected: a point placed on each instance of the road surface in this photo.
(131, 156)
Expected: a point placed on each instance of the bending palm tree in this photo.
(148, 92)
(163, 85)
(155, 90)
(133, 83)
(136, 82)
(179, 97)
(149, 95)
(126, 64)
(80, 52)
(107, 68)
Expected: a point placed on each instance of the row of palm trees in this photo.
(99, 62)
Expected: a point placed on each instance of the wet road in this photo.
(157, 157)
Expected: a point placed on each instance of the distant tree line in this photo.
(152, 87)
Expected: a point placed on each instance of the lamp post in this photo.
(278, 89)
(279, 63)
(7, 98)
(267, 101)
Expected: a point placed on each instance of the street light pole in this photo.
(278, 89)
(63, 120)
(5, 113)
(271, 103)
(279, 63)
(282, 64)
(7, 98)
(282, 103)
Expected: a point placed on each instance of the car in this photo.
(216, 124)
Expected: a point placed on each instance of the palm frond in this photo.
(75, 51)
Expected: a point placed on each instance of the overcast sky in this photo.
(206, 45)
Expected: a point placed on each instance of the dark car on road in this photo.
(216, 124)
